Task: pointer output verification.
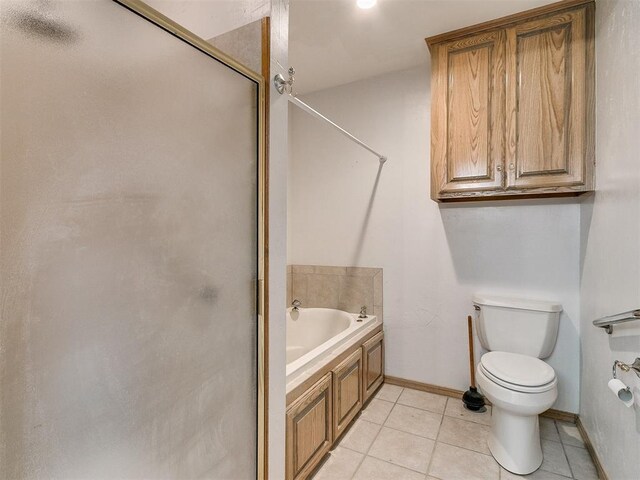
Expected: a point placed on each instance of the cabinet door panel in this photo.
(347, 391)
(467, 139)
(468, 115)
(547, 102)
(373, 364)
(309, 429)
(544, 85)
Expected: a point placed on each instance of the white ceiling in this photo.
(333, 42)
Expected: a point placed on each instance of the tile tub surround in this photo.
(406, 434)
(343, 288)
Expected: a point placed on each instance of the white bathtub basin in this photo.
(314, 334)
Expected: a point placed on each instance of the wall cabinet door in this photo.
(547, 103)
(309, 429)
(373, 365)
(347, 391)
(512, 106)
(467, 115)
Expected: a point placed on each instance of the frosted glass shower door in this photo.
(129, 195)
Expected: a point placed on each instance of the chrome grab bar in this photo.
(608, 322)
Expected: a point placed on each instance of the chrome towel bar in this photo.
(608, 322)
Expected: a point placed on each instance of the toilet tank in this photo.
(517, 325)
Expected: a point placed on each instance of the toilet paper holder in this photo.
(635, 366)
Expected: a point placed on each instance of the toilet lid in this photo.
(517, 369)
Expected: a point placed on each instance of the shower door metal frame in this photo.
(140, 8)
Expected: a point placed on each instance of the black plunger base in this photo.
(474, 400)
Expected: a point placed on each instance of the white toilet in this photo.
(520, 386)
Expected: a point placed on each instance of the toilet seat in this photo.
(520, 373)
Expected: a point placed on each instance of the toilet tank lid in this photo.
(519, 303)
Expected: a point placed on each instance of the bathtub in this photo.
(315, 335)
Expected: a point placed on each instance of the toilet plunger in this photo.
(472, 399)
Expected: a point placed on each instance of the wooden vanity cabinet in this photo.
(347, 391)
(372, 365)
(318, 413)
(309, 429)
(513, 106)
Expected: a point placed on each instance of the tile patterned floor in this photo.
(405, 434)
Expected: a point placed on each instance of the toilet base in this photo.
(514, 441)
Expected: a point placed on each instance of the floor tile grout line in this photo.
(568, 444)
(554, 473)
(397, 464)
(459, 417)
(402, 389)
(358, 467)
(356, 418)
(564, 450)
(467, 449)
(549, 440)
(366, 454)
(456, 417)
(435, 442)
(404, 431)
(440, 426)
(420, 408)
(438, 441)
(383, 425)
(472, 451)
(463, 419)
(416, 408)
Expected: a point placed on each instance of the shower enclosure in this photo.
(131, 248)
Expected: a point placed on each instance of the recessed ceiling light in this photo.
(365, 4)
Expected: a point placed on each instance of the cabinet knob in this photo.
(499, 168)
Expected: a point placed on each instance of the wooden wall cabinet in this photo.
(372, 365)
(309, 429)
(347, 391)
(512, 106)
